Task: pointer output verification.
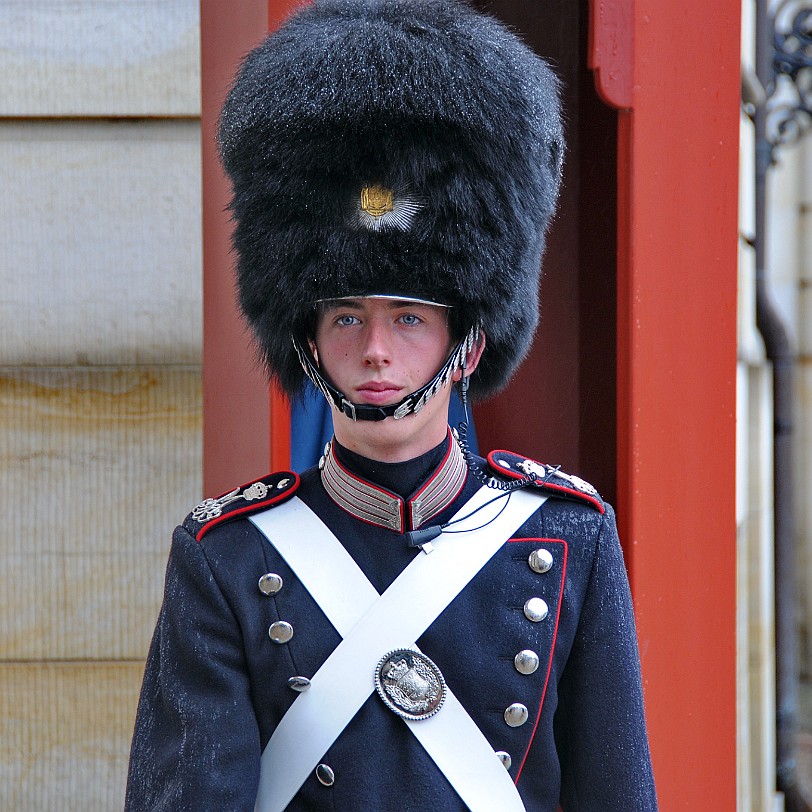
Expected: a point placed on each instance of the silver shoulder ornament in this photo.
(244, 500)
(547, 477)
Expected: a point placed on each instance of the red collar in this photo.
(375, 505)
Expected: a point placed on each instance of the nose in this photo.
(377, 349)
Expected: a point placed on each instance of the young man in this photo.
(407, 626)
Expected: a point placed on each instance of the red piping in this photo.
(552, 649)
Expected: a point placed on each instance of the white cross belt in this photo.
(371, 625)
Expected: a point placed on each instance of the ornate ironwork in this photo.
(790, 96)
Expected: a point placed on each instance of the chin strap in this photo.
(411, 404)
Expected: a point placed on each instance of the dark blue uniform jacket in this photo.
(215, 684)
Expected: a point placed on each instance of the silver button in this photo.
(504, 758)
(270, 583)
(536, 610)
(283, 483)
(516, 714)
(325, 775)
(540, 561)
(299, 684)
(526, 661)
(280, 632)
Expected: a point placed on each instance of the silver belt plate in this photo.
(410, 684)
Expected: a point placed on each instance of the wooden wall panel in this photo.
(84, 58)
(100, 234)
(676, 374)
(97, 466)
(66, 734)
(232, 372)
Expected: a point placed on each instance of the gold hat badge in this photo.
(380, 208)
(377, 200)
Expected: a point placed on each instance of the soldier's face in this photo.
(377, 351)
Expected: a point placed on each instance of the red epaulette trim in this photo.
(546, 477)
(260, 494)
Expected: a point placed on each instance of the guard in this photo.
(406, 625)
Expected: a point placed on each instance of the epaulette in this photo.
(546, 477)
(250, 498)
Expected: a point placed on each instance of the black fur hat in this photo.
(408, 147)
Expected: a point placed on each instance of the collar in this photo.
(376, 505)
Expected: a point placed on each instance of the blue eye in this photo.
(410, 318)
(347, 320)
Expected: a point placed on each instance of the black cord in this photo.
(417, 538)
(470, 460)
(476, 469)
(504, 495)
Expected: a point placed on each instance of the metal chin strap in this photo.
(411, 404)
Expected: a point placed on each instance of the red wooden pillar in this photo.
(246, 430)
(673, 71)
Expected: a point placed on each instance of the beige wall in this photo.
(789, 279)
(100, 404)
(755, 644)
(803, 495)
(789, 267)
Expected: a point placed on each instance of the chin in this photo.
(395, 440)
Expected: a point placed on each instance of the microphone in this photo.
(423, 538)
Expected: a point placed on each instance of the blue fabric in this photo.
(311, 427)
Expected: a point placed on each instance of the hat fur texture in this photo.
(429, 99)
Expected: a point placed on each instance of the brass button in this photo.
(540, 560)
(280, 632)
(270, 583)
(504, 758)
(516, 714)
(536, 610)
(325, 775)
(526, 661)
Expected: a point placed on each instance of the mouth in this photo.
(378, 393)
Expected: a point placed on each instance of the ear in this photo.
(472, 361)
(314, 350)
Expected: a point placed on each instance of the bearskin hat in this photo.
(403, 147)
